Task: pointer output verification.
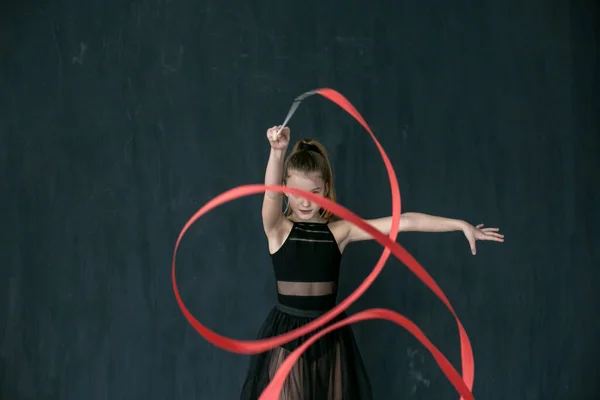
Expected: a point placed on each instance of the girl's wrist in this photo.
(278, 153)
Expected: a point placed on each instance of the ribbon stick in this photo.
(463, 385)
(293, 108)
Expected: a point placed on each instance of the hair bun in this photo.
(308, 147)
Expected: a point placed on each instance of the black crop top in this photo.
(310, 255)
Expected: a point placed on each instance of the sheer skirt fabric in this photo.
(330, 369)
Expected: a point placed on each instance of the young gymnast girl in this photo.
(306, 248)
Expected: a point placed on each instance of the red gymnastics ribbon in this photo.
(462, 384)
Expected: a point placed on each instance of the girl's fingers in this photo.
(490, 229)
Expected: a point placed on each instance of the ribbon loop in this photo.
(463, 385)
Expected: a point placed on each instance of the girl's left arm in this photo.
(418, 222)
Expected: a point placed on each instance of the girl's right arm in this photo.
(272, 214)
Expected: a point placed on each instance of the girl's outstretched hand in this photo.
(281, 141)
(475, 233)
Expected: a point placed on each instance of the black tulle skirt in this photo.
(330, 369)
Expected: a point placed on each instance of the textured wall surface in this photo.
(119, 119)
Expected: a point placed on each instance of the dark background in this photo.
(119, 119)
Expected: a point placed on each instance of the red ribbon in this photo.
(462, 384)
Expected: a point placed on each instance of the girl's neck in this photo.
(310, 221)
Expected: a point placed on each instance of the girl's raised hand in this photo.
(281, 141)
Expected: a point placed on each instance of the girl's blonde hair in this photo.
(308, 155)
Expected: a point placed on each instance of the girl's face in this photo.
(303, 209)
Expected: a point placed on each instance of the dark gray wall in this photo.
(119, 119)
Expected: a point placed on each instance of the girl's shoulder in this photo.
(340, 228)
